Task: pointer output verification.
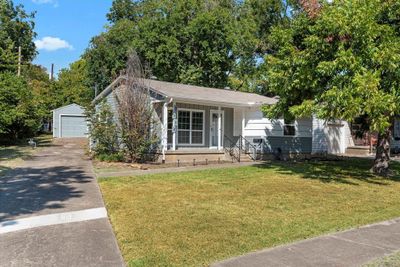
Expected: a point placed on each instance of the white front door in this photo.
(214, 128)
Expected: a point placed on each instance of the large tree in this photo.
(197, 42)
(73, 84)
(16, 30)
(18, 113)
(341, 61)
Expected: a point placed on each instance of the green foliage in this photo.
(122, 9)
(16, 29)
(103, 131)
(73, 84)
(18, 114)
(115, 157)
(342, 64)
(209, 43)
(107, 53)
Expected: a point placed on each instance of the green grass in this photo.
(196, 218)
(388, 261)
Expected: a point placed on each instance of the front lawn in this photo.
(196, 218)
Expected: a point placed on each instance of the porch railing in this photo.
(236, 149)
(232, 148)
(248, 148)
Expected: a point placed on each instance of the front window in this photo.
(169, 135)
(190, 127)
(289, 129)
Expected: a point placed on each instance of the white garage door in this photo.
(73, 126)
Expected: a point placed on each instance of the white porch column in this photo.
(174, 125)
(164, 135)
(243, 126)
(219, 128)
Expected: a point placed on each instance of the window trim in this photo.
(222, 127)
(191, 130)
(292, 124)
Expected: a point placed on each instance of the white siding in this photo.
(319, 139)
(237, 122)
(331, 138)
(258, 125)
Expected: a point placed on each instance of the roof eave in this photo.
(218, 103)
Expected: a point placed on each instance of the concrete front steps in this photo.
(358, 151)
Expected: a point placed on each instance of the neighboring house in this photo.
(396, 136)
(208, 122)
(70, 121)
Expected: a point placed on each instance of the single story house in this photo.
(208, 122)
(70, 121)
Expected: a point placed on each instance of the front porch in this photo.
(196, 131)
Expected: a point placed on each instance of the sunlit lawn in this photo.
(196, 218)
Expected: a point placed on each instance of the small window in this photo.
(289, 129)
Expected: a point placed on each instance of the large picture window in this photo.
(190, 127)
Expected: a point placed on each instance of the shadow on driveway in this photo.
(24, 191)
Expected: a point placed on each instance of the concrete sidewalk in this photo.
(350, 248)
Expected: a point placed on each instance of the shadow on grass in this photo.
(27, 190)
(347, 171)
(23, 150)
(8, 153)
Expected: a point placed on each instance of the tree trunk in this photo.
(382, 157)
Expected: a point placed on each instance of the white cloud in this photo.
(49, 43)
(52, 2)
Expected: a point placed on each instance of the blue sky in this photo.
(65, 27)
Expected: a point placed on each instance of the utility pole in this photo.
(52, 72)
(19, 60)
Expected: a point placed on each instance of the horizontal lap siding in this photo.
(330, 137)
(271, 132)
(288, 144)
(257, 125)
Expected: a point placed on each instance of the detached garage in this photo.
(70, 121)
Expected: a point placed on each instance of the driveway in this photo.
(52, 212)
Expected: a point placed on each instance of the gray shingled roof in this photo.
(184, 92)
(190, 93)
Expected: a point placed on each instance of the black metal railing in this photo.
(232, 148)
(249, 148)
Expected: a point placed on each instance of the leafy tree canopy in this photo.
(16, 29)
(73, 84)
(209, 43)
(340, 64)
(18, 113)
(343, 64)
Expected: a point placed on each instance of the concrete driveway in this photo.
(52, 212)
